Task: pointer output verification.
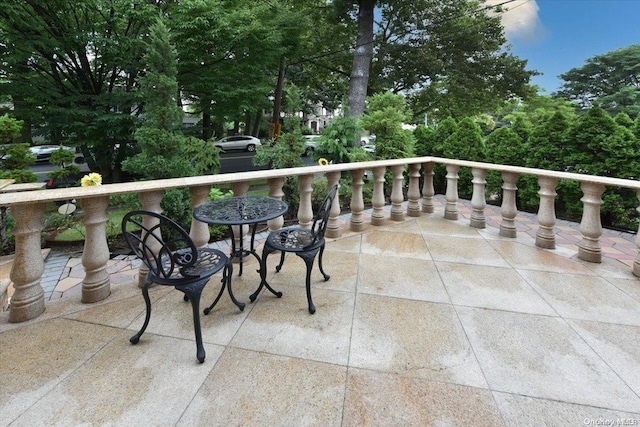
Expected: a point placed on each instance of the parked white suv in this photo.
(310, 142)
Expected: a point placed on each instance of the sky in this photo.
(555, 36)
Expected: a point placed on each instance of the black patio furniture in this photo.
(305, 243)
(240, 211)
(173, 260)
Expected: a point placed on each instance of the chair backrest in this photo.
(161, 243)
(321, 217)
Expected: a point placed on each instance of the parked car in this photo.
(310, 142)
(238, 142)
(43, 152)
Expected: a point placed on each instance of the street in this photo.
(232, 161)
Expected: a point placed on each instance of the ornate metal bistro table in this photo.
(240, 211)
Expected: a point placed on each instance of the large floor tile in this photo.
(522, 411)
(248, 388)
(436, 224)
(585, 297)
(345, 244)
(284, 325)
(533, 258)
(409, 278)
(464, 250)
(618, 345)
(119, 314)
(630, 286)
(542, 356)
(381, 399)
(392, 244)
(172, 316)
(412, 338)
(409, 225)
(342, 268)
(145, 384)
(491, 287)
(36, 358)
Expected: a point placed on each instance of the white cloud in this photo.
(520, 20)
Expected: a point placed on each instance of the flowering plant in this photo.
(323, 162)
(91, 180)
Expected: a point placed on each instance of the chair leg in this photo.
(263, 275)
(213, 304)
(228, 272)
(325, 275)
(308, 260)
(194, 297)
(145, 294)
(279, 266)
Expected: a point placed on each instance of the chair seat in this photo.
(208, 263)
(293, 239)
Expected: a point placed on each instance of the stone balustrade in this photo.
(28, 208)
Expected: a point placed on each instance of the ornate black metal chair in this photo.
(305, 243)
(173, 260)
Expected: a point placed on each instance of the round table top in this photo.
(240, 210)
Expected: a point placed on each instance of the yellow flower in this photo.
(323, 162)
(91, 180)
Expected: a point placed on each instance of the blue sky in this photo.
(558, 35)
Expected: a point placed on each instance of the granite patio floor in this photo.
(423, 322)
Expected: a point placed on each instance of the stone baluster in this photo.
(95, 255)
(545, 237)
(413, 193)
(28, 297)
(305, 210)
(508, 208)
(451, 195)
(589, 248)
(377, 212)
(275, 191)
(199, 231)
(334, 228)
(357, 200)
(636, 263)
(397, 197)
(427, 188)
(478, 202)
(150, 202)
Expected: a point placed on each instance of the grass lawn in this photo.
(77, 231)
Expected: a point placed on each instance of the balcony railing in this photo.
(28, 208)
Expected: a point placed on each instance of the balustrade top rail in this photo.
(18, 198)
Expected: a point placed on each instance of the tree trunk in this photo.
(207, 128)
(361, 59)
(277, 102)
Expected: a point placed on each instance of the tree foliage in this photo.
(15, 158)
(77, 63)
(611, 79)
(386, 112)
(451, 58)
(163, 148)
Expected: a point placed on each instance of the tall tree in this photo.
(81, 63)
(164, 151)
(451, 58)
(612, 79)
(230, 55)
